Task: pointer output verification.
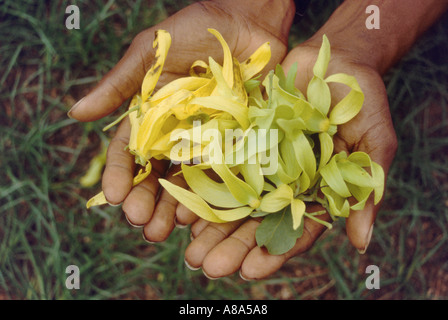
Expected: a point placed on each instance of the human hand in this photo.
(222, 249)
(244, 24)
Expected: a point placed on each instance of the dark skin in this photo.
(222, 249)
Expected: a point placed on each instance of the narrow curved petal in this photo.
(351, 104)
(256, 62)
(211, 191)
(162, 43)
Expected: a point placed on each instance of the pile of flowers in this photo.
(251, 148)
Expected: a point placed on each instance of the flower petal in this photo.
(354, 174)
(96, 200)
(162, 43)
(256, 62)
(211, 191)
(186, 83)
(326, 148)
(253, 175)
(318, 94)
(334, 179)
(378, 177)
(191, 200)
(241, 190)
(351, 104)
(227, 65)
(323, 58)
(297, 210)
(338, 206)
(277, 199)
(305, 155)
(236, 109)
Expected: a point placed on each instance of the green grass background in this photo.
(44, 225)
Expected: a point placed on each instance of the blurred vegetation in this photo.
(44, 225)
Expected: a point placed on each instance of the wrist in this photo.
(275, 16)
(400, 24)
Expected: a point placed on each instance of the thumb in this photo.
(118, 84)
(381, 144)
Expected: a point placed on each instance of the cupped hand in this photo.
(222, 249)
(245, 25)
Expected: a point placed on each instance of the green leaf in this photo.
(276, 232)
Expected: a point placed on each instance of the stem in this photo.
(121, 117)
(317, 213)
(325, 223)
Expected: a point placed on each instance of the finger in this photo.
(162, 220)
(259, 264)
(198, 226)
(139, 204)
(119, 171)
(228, 255)
(207, 236)
(184, 216)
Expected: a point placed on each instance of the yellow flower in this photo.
(297, 118)
(316, 110)
(216, 97)
(219, 94)
(344, 176)
(297, 129)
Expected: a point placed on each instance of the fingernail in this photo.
(179, 225)
(69, 113)
(368, 238)
(242, 277)
(114, 205)
(191, 236)
(132, 224)
(208, 277)
(146, 240)
(190, 267)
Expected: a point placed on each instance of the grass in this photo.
(44, 226)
